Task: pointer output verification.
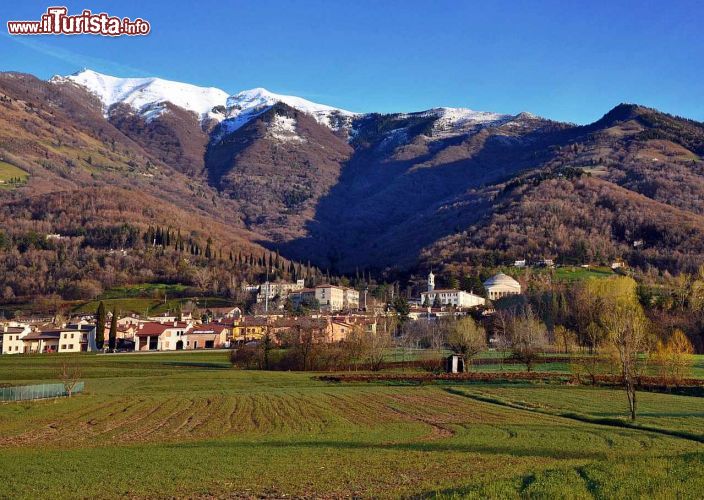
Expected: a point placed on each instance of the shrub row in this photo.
(643, 382)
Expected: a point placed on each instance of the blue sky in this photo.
(567, 60)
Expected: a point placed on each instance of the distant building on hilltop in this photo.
(501, 285)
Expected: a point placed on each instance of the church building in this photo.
(449, 296)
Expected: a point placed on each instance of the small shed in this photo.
(454, 364)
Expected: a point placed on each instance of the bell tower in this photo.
(431, 281)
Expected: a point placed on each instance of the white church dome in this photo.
(502, 280)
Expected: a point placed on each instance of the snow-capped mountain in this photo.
(148, 95)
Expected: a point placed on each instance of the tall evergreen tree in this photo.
(100, 325)
(112, 336)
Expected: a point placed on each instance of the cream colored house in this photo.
(336, 298)
(69, 338)
(11, 338)
(501, 285)
(207, 336)
(42, 341)
(281, 290)
(331, 298)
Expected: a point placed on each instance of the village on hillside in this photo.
(333, 311)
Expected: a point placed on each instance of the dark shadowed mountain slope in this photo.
(277, 167)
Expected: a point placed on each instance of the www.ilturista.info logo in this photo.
(56, 21)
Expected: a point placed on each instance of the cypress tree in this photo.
(100, 325)
(112, 337)
(208, 251)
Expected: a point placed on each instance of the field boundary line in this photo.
(608, 422)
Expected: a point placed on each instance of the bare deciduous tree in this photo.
(69, 374)
(528, 337)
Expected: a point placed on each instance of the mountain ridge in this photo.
(373, 190)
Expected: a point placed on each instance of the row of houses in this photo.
(169, 333)
(187, 335)
(333, 328)
(19, 338)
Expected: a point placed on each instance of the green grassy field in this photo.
(571, 273)
(564, 273)
(144, 290)
(142, 305)
(186, 424)
(9, 172)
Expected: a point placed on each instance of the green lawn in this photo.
(564, 273)
(186, 424)
(9, 172)
(140, 305)
(150, 290)
(571, 273)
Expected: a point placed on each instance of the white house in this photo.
(501, 285)
(154, 336)
(452, 297)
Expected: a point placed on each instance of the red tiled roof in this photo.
(154, 328)
(208, 328)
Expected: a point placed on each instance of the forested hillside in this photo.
(263, 175)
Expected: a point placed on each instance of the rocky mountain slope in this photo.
(441, 187)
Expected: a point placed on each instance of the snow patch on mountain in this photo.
(248, 104)
(148, 96)
(459, 117)
(453, 121)
(283, 128)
